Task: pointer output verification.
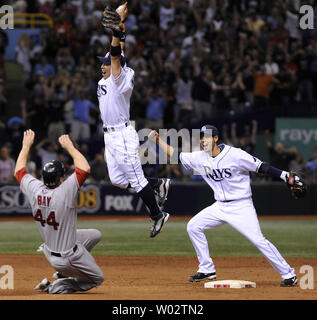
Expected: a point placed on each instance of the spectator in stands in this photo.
(280, 157)
(22, 54)
(297, 164)
(167, 14)
(271, 67)
(37, 116)
(81, 121)
(311, 166)
(262, 88)
(15, 129)
(285, 90)
(248, 140)
(46, 68)
(238, 99)
(255, 23)
(155, 108)
(201, 94)
(65, 60)
(31, 167)
(47, 151)
(303, 60)
(99, 172)
(183, 108)
(7, 165)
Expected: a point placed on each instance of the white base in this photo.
(231, 284)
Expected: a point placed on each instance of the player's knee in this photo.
(191, 227)
(96, 235)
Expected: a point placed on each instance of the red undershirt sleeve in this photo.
(81, 176)
(20, 174)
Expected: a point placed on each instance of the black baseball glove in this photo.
(296, 186)
(111, 20)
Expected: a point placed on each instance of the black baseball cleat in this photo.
(58, 275)
(199, 276)
(161, 191)
(158, 223)
(291, 282)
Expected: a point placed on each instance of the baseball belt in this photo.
(112, 129)
(56, 254)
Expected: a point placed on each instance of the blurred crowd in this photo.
(230, 63)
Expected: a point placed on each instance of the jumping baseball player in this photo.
(53, 203)
(226, 170)
(121, 139)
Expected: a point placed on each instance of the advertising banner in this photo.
(297, 132)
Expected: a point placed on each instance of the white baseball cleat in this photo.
(43, 286)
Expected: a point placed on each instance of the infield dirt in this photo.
(160, 278)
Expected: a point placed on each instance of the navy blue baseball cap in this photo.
(107, 60)
(209, 130)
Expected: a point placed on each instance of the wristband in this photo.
(115, 51)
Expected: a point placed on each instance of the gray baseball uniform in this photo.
(66, 248)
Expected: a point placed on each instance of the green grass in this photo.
(293, 238)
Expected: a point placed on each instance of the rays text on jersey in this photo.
(217, 174)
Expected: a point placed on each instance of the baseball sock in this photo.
(154, 182)
(147, 195)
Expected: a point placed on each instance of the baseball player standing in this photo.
(226, 170)
(121, 139)
(54, 209)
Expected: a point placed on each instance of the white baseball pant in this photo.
(122, 158)
(240, 215)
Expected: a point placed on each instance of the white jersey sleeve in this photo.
(247, 162)
(125, 81)
(29, 185)
(189, 160)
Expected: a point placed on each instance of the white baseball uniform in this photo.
(65, 247)
(228, 176)
(121, 139)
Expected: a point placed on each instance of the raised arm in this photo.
(115, 52)
(28, 140)
(114, 20)
(80, 161)
(154, 136)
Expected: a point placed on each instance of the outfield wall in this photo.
(184, 199)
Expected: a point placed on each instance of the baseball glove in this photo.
(297, 187)
(111, 20)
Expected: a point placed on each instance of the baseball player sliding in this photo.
(121, 139)
(226, 170)
(54, 209)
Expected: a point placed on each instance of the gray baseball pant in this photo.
(79, 267)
